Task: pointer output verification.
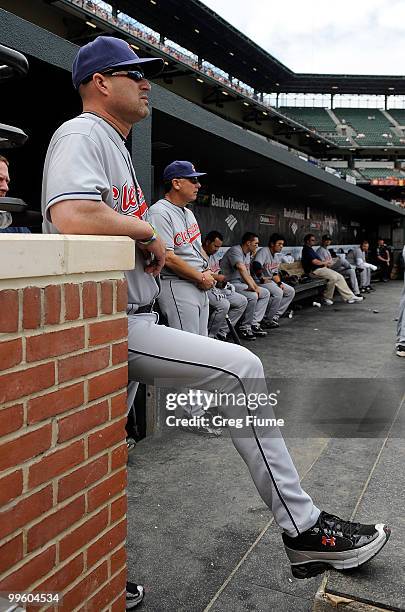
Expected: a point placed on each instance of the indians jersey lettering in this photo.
(269, 261)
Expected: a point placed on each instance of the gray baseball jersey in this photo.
(179, 230)
(269, 261)
(233, 256)
(87, 160)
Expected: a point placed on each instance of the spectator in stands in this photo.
(400, 346)
(223, 298)
(265, 268)
(360, 259)
(5, 217)
(322, 269)
(235, 266)
(383, 260)
(338, 264)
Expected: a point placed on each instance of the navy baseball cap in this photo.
(106, 52)
(180, 169)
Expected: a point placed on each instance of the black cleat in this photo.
(334, 543)
(246, 334)
(400, 350)
(258, 331)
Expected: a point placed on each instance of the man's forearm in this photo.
(247, 278)
(96, 218)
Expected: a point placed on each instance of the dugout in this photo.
(251, 183)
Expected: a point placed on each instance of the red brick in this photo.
(58, 521)
(52, 304)
(85, 588)
(11, 419)
(119, 604)
(119, 405)
(107, 437)
(107, 383)
(122, 295)
(10, 353)
(24, 382)
(82, 421)
(119, 353)
(53, 403)
(118, 508)
(85, 363)
(25, 447)
(118, 560)
(30, 572)
(72, 301)
(31, 308)
(11, 553)
(114, 587)
(108, 331)
(107, 297)
(82, 478)
(10, 487)
(62, 578)
(119, 457)
(55, 343)
(8, 310)
(79, 537)
(107, 489)
(56, 463)
(89, 295)
(106, 543)
(25, 511)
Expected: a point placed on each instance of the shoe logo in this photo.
(231, 221)
(331, 541)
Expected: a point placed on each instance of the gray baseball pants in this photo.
(169, 357)
(185, 305)
(224, 303)
(280, 299)
(256, 306)
(401, 320)
(365, 277)
(345, 269)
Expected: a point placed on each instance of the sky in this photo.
(321, 36)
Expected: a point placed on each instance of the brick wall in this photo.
(63, 376)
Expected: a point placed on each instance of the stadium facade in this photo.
(264, 171)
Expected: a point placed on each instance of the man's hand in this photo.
(207, 281)
(155, 252)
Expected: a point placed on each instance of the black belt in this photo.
(140, 309)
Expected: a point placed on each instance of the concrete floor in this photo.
(199, 535)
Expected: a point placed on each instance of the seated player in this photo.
(265, 268)
(235, 266)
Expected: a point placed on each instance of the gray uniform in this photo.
(401, 317)
(87, 159)
(280, 297)
(364, 266)
(223, 302)
(256, 306)
(181, 301)
(342, 266)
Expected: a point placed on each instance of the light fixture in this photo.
(391, 88)
(255, 69)
(246, 103)
(166, 63)
(153, 2)
(278, 84)
(200, 80)
(196, 31)
(280, 121)
(264, 113)
(318, 141)
(225, 93)
(176, 17)
(92, 25)
(230, 53)
(335, 87)
(307, 135)
(134, 46)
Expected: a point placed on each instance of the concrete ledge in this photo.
(36, 255)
